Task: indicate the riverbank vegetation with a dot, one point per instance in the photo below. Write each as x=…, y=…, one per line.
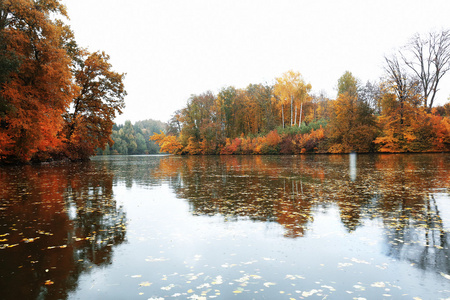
x=396, y=114
x=133, y=138
x=57, y=100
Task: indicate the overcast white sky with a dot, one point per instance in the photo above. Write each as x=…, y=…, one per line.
x=173, y=49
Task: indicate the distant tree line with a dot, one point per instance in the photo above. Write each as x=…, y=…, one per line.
x=395, y=114
x=133, y=139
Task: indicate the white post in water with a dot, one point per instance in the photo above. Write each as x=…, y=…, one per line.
x=352, y=166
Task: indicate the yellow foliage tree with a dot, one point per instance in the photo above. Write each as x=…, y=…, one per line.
x=167, y=143
x=291, y=88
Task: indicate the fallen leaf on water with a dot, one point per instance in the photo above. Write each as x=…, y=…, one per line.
x=359, y=261
x=378, y=284
x=217, y=280
x=267, y=284
x=329, y=287
x=145, y=283
x=292, y=277
x=340, y=265
x=310, y=293
x=49, y=282
x=169, y=287
x=152, y=259
x=204, y=285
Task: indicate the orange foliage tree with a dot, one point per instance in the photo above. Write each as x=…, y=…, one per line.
x=352, y=126
x=38, y=90
x=168, y=143
x=406, y=125
x=55, y=100
x=89, y=121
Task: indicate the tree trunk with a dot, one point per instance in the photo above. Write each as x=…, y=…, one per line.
x=300, y=118
x=292, y=102
x=295, y=116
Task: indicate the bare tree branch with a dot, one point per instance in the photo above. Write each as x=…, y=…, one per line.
x=429, y=60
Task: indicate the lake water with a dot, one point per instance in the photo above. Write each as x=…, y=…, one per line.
x=227, y=227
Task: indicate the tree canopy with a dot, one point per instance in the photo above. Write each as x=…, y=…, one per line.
x=285, y=118
x=56, y=99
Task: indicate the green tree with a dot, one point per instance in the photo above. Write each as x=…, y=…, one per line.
x=141, y=146
x=347, y=83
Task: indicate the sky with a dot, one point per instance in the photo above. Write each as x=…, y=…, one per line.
x=172, y=49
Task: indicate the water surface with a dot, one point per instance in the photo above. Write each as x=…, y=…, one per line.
x=244, y=227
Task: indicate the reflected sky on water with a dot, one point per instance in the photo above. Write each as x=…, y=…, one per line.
x=201, y=227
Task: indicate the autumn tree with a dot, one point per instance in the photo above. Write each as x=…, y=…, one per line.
x=405, y=87
x=321, y=108
x=89, y=120
x=347, y=83
x=36, y=82
x=56, y=100
x=168, y=143
x=371, y=94
x=413, y=130
x=174, y=124
x=265, y=111
x=226, y=99
x=352, y=124
x=197, y=114
x=291, y=88
x=401, y=97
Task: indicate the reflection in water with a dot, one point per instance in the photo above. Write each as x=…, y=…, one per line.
x=352, y=166
x=56, y=223
x=399, y=190
x=59, y=222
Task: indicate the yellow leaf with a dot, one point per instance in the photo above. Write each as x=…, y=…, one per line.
x=145, y=283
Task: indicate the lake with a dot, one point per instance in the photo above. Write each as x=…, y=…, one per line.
x=227, y=227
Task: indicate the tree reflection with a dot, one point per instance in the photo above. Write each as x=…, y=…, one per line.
x=399, y=190
x=56, y=223
x=413, y=225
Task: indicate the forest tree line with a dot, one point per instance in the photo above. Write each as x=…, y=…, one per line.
x=57, y=100
x=395, y=114
x=134, y=138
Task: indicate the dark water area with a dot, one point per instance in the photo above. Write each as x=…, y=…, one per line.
x=227, y=227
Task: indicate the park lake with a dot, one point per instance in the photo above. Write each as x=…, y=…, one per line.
x=227, y=227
